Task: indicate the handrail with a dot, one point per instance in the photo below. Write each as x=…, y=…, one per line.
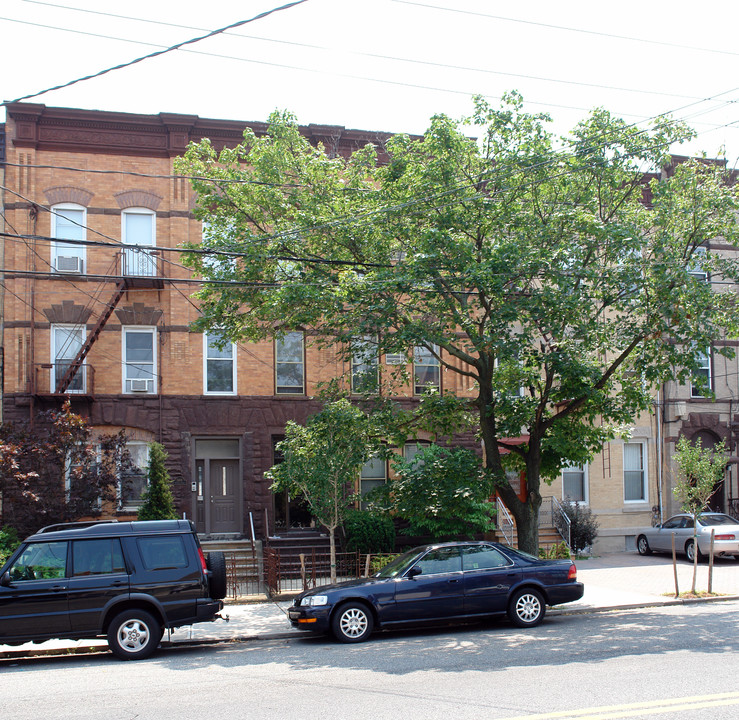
x=504, y=515
x=559, y=511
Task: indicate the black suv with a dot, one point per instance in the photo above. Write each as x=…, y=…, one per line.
x=126, y=581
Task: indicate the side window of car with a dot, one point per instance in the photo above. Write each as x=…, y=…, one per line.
x=672, y=523
x=483, y=557
x=163, y=553
x=688, y=523
x=40, y=561
x=97, y=557
x=443, y=560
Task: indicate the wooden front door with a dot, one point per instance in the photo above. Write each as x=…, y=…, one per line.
x=223, y=481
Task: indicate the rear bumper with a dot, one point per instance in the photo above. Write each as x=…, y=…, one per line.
x=207, y=609
x=561, y=594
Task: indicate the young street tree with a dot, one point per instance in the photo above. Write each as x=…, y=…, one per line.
x=548, y=273
x=322, y=461
x=158, y=502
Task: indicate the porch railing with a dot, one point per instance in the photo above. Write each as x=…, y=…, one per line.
x=505, y=521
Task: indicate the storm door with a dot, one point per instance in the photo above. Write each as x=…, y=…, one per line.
x=218, y=487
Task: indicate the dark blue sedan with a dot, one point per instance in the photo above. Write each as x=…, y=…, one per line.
x=439, y=583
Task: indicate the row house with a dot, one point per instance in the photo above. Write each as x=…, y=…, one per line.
x=95, y=306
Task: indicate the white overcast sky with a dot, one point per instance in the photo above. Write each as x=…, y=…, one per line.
x=385, y=65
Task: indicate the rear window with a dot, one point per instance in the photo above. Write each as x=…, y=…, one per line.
x=163, y=553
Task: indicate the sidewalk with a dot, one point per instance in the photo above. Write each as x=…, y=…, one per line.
x=614, y=581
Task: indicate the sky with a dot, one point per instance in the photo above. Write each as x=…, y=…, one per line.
x=385, y=65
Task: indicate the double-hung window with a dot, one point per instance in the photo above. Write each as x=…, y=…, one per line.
x=575, y=483
x=702, y=388
x=68, y=223
x=635, y=472
x=290, y=364
x=138, y=227
x=426, y=369
x=66, y=342
x=373, y=475
x=219, y=366
x=365, y=368
x=134, y=481
x=139, y=360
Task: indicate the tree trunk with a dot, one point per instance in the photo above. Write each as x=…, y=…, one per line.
x=332, y=541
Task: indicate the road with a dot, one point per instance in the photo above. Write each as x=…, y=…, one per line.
x=677, y=662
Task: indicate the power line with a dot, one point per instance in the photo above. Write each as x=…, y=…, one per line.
x=160, y=52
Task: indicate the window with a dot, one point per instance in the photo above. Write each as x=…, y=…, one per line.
x=373, y=475
x=40, y=561
x=575, y=483
x=426, y=369
x=290, y=364
x=139, y=228
x=483, y=557
x=139, y=361
x=365, y=369
x=97, y=557
x=219, y=366
x=68, y=223
x=218, y=263
x=443, y=560
x=635, y=472
x=66, y=342
x=134, y=481
x=162, y=553
x=411, y=449
x=697, y=264
x=704, y=385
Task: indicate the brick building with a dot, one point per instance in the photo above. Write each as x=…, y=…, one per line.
x=109, y=326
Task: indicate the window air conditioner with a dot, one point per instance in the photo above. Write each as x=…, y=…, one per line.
x=69, y=263
x=139, y=385
x=395, y=359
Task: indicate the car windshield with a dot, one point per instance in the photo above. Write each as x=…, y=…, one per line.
x=717, y=520
x=400, y=564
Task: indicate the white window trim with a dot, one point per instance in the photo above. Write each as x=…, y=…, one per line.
x=435, y=362
x=585, y=480
x=129, y=253
x=367, y=358
x=72, y=250
x=205, y=369
x=645, y=470
x=133, y=507
x=54, y=378
x=302, y=390
x=124, y=365
x=694, y=391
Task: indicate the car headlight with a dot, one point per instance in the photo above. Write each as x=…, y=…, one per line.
x=314, y=600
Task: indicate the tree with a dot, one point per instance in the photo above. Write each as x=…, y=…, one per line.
x=442, y=492
x=322, y=461
x=701, y=470
x=554, y=275
x=582, y=526
x=57, y=471
x=158, y=503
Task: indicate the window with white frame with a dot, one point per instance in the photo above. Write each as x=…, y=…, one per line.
x=697, y=264
x=134, y=481
x=139, y=360
x=635, y=472
x=290, y=364
x=426, y=369
x=219, y=365
x=68, y=222
x=138, y=227
x=66, y=342
x=575, y=483
x=373, y=475
x=703, y=388
x=365, y=368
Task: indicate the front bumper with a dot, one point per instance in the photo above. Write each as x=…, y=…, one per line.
x=315, y=619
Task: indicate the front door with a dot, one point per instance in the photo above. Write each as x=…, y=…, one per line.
x=224, y=494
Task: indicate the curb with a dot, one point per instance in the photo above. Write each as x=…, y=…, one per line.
x=169, y=644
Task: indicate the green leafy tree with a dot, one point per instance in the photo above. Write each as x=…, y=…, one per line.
x=582, y=527
x=322, y=461
x=442, y=492
x=550, y=273
x=701, y=470
x=158, y=502
x=56, y=471
x=369, y=532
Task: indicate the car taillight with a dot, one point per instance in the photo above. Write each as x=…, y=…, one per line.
x=572, y=574
x=202, y=560
x=724, y=537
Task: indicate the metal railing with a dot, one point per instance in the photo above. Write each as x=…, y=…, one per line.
x=561, y=521
x=505, y=521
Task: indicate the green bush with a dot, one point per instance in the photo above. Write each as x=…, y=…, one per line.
x=583, y=526
x=8, y=542
x=559, y=551
x=367, y=532
x=158, y=503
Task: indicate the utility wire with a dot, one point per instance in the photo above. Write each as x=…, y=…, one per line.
x=260, y=16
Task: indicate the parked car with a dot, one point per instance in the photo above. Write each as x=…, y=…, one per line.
x=434, y=583
x=125, y=581
x=659, y=538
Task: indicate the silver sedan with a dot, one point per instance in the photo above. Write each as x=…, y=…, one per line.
x=659, y=538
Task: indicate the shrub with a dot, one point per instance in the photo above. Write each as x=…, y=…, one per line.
x=367, y=532
x=583, y=526
x=559, y=551
x=8, y=542
x=158, y=503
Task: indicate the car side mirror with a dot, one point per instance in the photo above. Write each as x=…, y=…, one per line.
x=5, y=579
x=414, y=571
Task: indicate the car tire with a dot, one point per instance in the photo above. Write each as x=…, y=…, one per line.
x=352, y=623
x=217, y=580
x=642, y=545
x=689, y=552
x=134, y=634
x=526, y=608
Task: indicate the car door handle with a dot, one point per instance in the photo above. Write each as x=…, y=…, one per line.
x=57, y=588
x=454, y=580
x=118, y=583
